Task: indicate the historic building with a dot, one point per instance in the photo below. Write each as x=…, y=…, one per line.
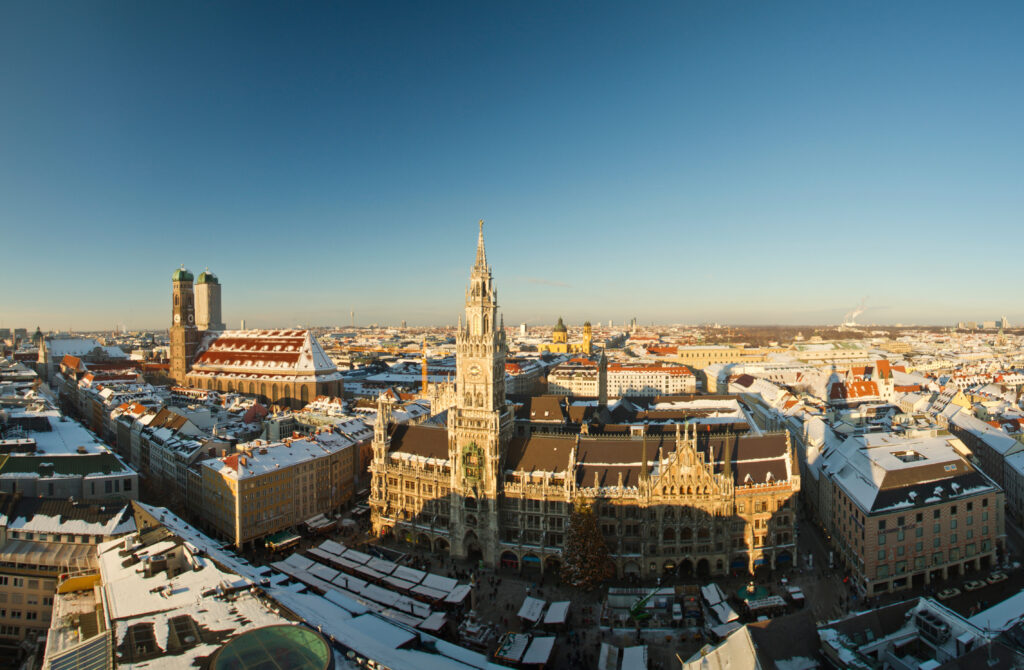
x=672, y=500
x=208, y=302
x=560, y=343
x=184, y=333
x=286, y=367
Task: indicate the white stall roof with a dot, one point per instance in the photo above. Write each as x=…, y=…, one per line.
x=440, y=583
x=725, y=613
x=382, y=566
x=540, y=650
x=345, y=602
x=323, y=572
x=635, y=657
x=332, y=547
x=379, y=629
x=368, y=572
x=299, y=561
x=532, y=609
x=409, y=574
x=428, y=592
x=382, y=596
x=557, y=613
x=434, y=622
x=712, y=594
x=458, y=594
x=343, y=562
x=356, y=556
x=399, y=584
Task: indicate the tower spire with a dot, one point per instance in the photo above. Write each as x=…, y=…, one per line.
x=481, y=253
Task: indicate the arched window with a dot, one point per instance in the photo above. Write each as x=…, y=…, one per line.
x=263, y=390
x=304, y=394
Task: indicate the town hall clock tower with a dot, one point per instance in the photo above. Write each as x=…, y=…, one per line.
x=480, y=424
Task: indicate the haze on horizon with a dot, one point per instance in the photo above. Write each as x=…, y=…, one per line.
x=680, y=163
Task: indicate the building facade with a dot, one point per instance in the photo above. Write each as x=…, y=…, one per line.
x=669, y=501
x=268, y=487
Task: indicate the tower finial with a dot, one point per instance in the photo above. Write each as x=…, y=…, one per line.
x=481, y=254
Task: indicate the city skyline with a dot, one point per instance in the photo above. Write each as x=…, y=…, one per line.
x=681, y=164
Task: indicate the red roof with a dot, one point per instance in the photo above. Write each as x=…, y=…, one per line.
x=853, y=391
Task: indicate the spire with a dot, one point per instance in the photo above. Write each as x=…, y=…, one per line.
x=481, y=253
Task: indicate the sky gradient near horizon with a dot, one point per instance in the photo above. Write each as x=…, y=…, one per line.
x=679, y=162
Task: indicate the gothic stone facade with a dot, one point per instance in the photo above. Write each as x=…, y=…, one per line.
x=674, y=500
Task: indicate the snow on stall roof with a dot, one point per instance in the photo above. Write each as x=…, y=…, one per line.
x=331, y=620
x=635, y=657
x=540, y=649
x=557, y=613
x=531, y=609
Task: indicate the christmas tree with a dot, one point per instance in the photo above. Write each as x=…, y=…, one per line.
x=585, y=560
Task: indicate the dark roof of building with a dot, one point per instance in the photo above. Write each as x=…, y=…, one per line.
x=923, y=489
x=14, y=505
x=426, y=441
x=880, y=622
x=542, y=408
x=62, y=464
x=784, y=638
x=542, y=453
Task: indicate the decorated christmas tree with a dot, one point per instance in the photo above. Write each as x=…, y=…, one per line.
x=585, y=560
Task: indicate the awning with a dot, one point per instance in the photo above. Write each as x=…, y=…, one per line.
x=738, y=563
x=760, y=561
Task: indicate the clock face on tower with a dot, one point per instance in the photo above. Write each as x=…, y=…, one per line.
x=474, y=371
x=177, y=318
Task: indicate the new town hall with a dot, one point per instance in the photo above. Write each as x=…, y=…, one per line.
x=667, y=496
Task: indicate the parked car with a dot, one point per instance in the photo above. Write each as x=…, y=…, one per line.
x=974, y=585
x=946, y=594
x=996, y=577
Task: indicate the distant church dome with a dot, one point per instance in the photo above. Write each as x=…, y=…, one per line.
x=586, y=324
x=560, y=327
x=181, y=274
x=207, y=277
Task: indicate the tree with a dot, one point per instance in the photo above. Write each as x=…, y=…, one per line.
x=585, y=559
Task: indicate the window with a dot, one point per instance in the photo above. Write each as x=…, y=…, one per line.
x=127, y=485
x=936, y=514
x=881, y=524
x=952, y=524
x=881, y=539
x=919, y=532
x=881, y=554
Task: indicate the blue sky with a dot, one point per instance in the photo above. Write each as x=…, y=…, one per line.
x=678, y=162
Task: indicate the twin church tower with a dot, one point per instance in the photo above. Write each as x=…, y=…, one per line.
x=193, y=310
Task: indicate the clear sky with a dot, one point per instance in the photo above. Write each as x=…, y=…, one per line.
x=679, y=162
